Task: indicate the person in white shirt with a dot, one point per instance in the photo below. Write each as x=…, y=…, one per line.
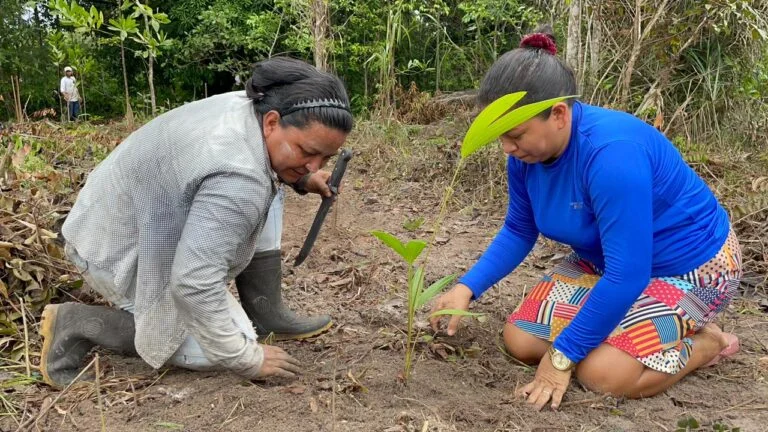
x=187, y=203
x=68, y=89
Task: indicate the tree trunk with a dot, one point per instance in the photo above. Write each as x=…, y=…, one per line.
x=320, y=30
x=61, y=107
x=128, y=109
x=595, y=44
x=437, y=56
x=151, y=74
x=82, y=96
x=574, y=35
x=152, y=84
x=16, y=90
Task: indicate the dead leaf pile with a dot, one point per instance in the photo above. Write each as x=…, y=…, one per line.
x=42, y=167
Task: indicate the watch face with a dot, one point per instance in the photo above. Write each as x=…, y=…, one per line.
x=560, y=361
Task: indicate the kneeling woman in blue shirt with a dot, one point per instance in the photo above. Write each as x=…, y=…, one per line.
x=654, y=259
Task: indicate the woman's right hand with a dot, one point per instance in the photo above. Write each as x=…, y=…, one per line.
x=457, y=298
x=278, y=363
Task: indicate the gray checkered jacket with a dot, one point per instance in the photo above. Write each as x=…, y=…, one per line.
x=173, y=213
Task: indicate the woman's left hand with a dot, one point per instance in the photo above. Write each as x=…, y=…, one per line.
x=318, y=183
x=548, y=384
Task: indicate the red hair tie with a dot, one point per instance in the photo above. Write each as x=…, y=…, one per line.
x=540, y=41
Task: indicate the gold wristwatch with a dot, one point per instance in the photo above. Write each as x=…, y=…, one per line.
x=559, y=360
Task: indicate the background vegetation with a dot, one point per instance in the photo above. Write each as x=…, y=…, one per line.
x=697, y=69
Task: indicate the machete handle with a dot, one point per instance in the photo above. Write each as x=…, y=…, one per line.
x=338, y=171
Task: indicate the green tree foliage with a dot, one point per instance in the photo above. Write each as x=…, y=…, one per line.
x=23, y=55
x=670, y=62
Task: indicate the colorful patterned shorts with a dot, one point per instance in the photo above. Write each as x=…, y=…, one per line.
x=657, y=328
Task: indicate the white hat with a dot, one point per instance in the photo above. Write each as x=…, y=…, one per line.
x=67, y=69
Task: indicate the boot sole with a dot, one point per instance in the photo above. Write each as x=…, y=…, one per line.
x=300, y=336
x=47, y=325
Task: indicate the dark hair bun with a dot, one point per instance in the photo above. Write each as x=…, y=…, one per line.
x=539, y=41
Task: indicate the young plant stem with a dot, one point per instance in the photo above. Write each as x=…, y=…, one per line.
x=411, y=312
x=410, y=343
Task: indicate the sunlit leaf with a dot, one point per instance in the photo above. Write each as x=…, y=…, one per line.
x=491, y=113
x=492, y=122
x=391, y=241
x=414, y=286
x=413, y=250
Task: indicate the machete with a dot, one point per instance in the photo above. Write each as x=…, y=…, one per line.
x=333, y=183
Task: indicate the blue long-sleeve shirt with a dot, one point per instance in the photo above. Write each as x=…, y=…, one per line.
x=623, y=198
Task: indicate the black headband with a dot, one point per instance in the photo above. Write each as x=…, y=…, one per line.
x=323, y=103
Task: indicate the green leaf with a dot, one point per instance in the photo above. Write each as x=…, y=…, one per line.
x=688, y=423
x=492, y=122
x=434, y=289
x=162, y=18
x=409, y=252
x=413, y=250
x=490, y=114
x=391, y=241
x=413, y=224
x=415, y=285
x=456, y=312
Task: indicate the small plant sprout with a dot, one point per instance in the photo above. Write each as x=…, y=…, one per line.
x=418, y=295
x=494, y=120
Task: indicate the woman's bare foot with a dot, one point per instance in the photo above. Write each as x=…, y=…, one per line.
x=728, y=342
x=715, y=332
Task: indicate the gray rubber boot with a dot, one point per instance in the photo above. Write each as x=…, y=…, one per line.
x=71, y=330
x=259, y=287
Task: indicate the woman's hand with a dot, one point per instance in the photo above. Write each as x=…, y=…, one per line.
x=548, y=384
x=278, y=363
x=318, y=183
x=457, y=298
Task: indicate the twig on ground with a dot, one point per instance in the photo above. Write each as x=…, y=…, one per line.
x=26, y=336
x=737, y=405
x=333, y=392
x=583, y=401
x=98, y=393
x=232, y=411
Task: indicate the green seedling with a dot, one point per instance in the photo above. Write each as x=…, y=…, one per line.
x=418, y=294
x=413, y=224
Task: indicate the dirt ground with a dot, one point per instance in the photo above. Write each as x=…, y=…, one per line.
x=461, y=383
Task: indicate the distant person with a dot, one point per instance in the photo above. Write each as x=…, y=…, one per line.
x=654, y=259
x=187, y=203
x=68, y=90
